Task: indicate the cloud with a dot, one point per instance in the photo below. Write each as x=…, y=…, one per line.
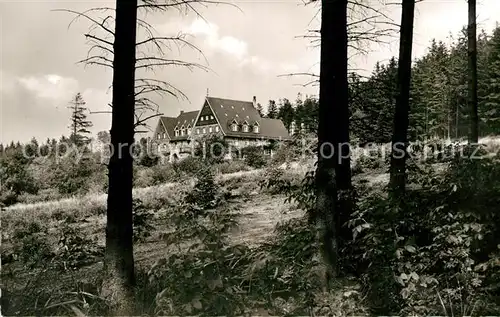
x=227, y=44
x=50, y=86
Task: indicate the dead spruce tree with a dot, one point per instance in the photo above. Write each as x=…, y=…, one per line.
x=332, y=101
x=472, y=73
x=118, y=39
x=399, y=147
x=347, y=29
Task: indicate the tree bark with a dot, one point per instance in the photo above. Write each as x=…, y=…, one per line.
x=119, y=280
x=332, y=103
x=399, y=153
x=472, y=74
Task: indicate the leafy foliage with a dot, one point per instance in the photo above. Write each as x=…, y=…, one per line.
x=142, y=218
x=254, y=156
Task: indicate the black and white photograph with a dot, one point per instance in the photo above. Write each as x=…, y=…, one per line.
x=250, y=158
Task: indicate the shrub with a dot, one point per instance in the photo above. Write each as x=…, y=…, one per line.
x=211, y=149
x=71, y=176
x=210, y=269
x=438, y=243
x=163, y=173
x=188, y=166
x=76, y=251
x=142, y=218
x=232, y=166
x=205, y=191
x=143, y=177
x=254, y=156
x=15, y=178
x=30, y=243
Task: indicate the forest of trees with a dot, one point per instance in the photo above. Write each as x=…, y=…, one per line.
x=438, y=93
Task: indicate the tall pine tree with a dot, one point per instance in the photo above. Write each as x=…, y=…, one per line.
x=79, y=124
x=272, y=110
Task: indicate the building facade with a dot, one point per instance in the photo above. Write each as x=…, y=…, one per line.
x=238, y=122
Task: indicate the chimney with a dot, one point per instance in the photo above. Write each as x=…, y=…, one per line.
x=182, y=111
x=254, y=100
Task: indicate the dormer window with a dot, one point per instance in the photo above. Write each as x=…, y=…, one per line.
x=188, y=130
x=246, y=128
x=256, y=128
x=176, y=132
x=234, y=127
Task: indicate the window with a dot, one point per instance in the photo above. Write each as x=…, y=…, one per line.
x=158, y=136
x=245, y=128
x=210, y=130
x=256, y=129
x=211, y=117
x=197, y=130
x=234, y=127
x=176, y=132
x=189, y=132
x=202, y=118
x=217, y=129
x=164, y=135
x=204, y=130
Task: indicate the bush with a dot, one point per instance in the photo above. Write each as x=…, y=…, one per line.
x=163, y=173
x=254, y=156
x=30, y=243
x=438, y=243
x=76, y=251
x=232, y=166
x=188, y=166
x=142, y=218
x=211, y=149
x=71, y=176
x=205, y=192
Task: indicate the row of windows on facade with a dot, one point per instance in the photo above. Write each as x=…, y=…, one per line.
x=234, y=127
x=186, y=144
x=245, y=128
x=206, y=118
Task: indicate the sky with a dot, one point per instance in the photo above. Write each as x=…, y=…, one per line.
x=247, y=49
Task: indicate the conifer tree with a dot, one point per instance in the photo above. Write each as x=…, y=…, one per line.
x=79, y=124
x=272, y=110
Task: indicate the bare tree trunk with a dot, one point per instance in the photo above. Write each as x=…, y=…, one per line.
x=332, y=99
x=472, y=74
x=119, y=259
x=401, y=120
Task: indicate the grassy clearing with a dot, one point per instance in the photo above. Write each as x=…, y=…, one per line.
x=257, y=213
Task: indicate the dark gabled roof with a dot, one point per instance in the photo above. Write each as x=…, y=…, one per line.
x=274, y=129
x=228, y=110
x=185, y=118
